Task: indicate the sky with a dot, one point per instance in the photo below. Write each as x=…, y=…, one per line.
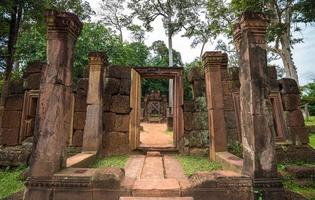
x=303, y=53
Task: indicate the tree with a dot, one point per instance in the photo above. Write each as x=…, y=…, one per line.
x=306, y=9
x=201, y=27
x=113, y=15
x=159, y=55
x=173, y=15
x=137, y=33
x=19, y=16
x=283, y=16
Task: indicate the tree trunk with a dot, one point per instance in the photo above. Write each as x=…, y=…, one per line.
x=170, y=63
x=15, y=20
x=121, y=35
x=202, y=48
x=287, y=59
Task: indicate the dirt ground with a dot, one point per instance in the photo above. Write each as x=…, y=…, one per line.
x=154, y=135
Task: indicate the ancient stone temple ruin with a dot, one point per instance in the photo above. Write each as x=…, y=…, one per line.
x=58, y=129
x=155, y=107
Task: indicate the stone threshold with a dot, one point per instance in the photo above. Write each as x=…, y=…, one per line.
x=81, y=159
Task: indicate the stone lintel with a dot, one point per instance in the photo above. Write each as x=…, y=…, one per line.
x=213, y=59
x=97, y=58
x=254, y=22
x=63, y=22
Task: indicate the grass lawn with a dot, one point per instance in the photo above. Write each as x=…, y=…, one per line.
x=290, y=182
x=312, y=140
x=170, y=133
x=310, y=121
x=111, y=161
x=193, y=164
x=10, y=182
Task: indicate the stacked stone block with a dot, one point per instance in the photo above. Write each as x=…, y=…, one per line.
x=294, y=120
x=230, y=85
x=116, y=107
x=79, y=114
x=196, y=136
x=11, y=120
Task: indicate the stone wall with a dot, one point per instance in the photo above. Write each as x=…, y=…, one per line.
x=116, y=107
x=79, y=114
x=196, y=137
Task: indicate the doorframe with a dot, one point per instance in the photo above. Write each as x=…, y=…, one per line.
x=175, y=73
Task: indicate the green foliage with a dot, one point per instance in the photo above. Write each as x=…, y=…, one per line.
x=10, y=181
x=236, y=148
x=310, y=121
x=291, y=183
x=193, y=164
x=111, y=161
x=312, y=140
x=306, y=10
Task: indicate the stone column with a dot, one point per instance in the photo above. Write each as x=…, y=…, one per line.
x=213, y=61
x=93, y=123
x=54, y=114
x=256, y=115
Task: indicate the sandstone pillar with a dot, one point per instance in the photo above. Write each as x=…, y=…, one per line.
x=54, y=114
x=93, y=123
x=213, y=62
x=256, y=115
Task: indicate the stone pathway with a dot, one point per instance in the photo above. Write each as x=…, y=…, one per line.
x=155, y=176
x=153, y=135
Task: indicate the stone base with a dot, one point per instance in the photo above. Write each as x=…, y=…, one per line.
x=170, y=123
x=295, y=153
x=268, y=188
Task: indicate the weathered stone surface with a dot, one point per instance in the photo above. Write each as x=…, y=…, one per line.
x=200, y=121
x=9, y=137
x=109, y=178
x=188, y=121
x=107, y=101
x=288, y=86
x=119, y=72
x=79, y=120
x=228, y=103
x=77, y=138
x=80, y=103
x=108, y=121
x=82, y=86
x=116, y=143
x=55, y=94
x=300, y=134
x=294, y=118
x=125, y=85
x=189, y=106
x=290, y=102
x=200, y=104
x=198, y=138
x=32, y=81
x=120, y=104
x=15, y=156
x=11, y=119
x=121, y=123
x=295, y=153
x=198, y=151
x=93, y=128
x=256, y=116
x=14, y=102
x=214, y=62
x=301, y=171
x=112, y=86
x=230, y=120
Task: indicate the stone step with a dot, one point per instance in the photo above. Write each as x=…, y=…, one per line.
x=156, y=198
x=156, y=188
x=153, y=154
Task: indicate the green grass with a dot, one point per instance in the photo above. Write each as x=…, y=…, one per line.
x=170, y=133
x=193, y=164
x=290, y=183
x=10, y=181
x=111, y=161
x=310, y=121
x=312, y=140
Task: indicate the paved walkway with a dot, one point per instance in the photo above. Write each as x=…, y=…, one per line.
x=153, y=135
x=154, y=175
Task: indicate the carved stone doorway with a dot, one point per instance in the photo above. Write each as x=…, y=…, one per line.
x=175, y=73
